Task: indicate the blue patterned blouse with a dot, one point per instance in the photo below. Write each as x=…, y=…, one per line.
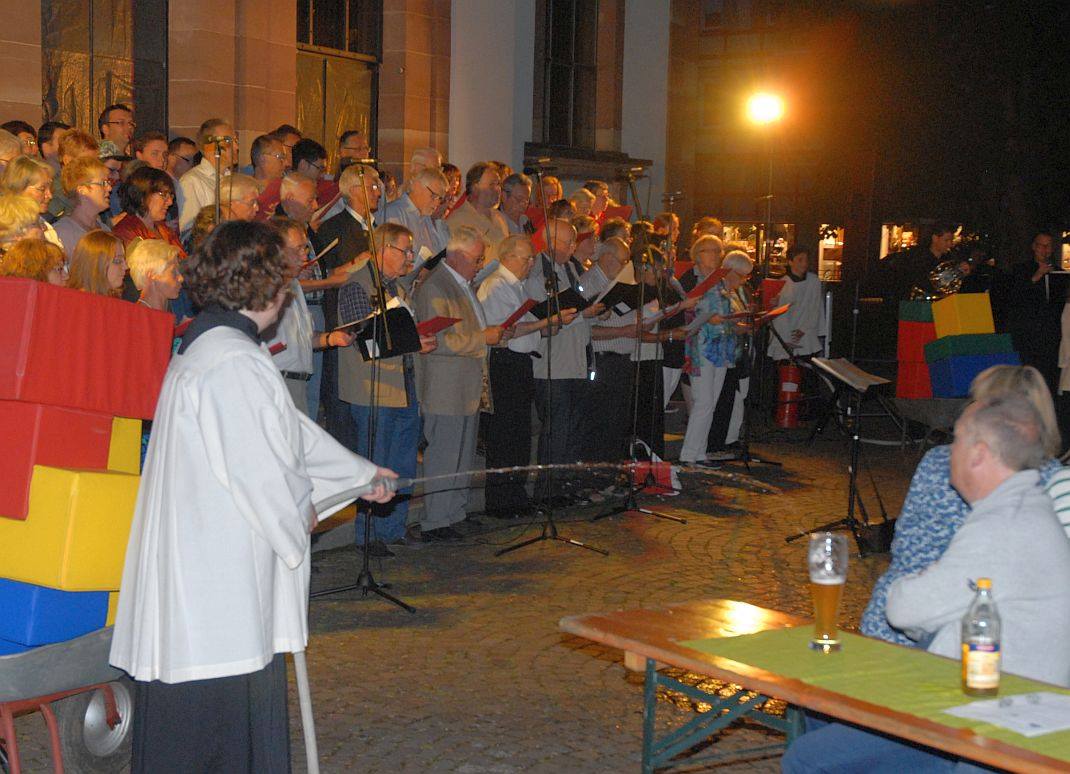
x=717, y=344
x=931, y=515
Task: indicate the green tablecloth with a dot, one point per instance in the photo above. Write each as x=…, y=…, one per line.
x=901, y=679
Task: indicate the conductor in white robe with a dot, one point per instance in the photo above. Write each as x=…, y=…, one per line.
x=215, y=585
x=804, y=323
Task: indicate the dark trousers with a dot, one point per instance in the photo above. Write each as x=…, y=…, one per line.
x=722, y=415
x=608, y=411
x=337, y=417
x=650, y=408
x=229, y=725
x=507, y=432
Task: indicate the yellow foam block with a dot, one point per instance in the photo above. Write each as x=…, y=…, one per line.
x=963, y=313
x=74, y=536
x=124, y=453
x=113, y=605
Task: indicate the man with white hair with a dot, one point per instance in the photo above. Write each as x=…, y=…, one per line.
x=516, y=195
x=1012, y=537
x=198, y=185
x=450, y=386
x=424, y=192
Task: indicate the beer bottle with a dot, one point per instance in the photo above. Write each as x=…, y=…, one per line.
x=980, y=643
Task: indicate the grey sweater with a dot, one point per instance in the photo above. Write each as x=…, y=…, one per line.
x=1013, y=537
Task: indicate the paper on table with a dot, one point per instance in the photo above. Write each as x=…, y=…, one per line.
x=1028, y=714
x=847, y=372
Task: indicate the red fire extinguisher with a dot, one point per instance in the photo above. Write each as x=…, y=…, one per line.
x=787, y=407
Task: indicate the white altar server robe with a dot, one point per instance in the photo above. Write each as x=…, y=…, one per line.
x=806, y=314
x=216, y=578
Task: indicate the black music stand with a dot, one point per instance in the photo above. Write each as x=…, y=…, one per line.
x=869, y=537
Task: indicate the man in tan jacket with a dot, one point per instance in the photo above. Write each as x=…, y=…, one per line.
x=451, y=380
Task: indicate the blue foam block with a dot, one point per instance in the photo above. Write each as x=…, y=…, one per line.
x=951, y=376
x=11, y=648
x=36, y=615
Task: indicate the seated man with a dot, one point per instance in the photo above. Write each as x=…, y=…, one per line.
x=1011, y=536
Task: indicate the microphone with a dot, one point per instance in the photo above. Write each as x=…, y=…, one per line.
x=672, y=196
x=368, y=162
x=219, y=139
x=538, y=169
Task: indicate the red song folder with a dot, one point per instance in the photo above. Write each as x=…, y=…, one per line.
x=435, y=325
x=701, y=288
x=526, y=307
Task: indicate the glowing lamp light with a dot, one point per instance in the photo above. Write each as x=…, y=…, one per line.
x=765, y=108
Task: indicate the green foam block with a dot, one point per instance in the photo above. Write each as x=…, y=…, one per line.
x=968, y=344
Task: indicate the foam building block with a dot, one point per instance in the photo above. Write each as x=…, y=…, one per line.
x=75, y=535
x=916, y=311
x=32, y=434
x=124, y=453
x=963, y=313
x=912, y=381
x=913, y=336
x=11, y=648
x=968, y=344
x=114, y=353
x=951, y=377
x=35, y=615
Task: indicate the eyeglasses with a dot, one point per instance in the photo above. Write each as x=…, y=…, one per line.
x=316, y=164
x=124, y=122
x=101, y=183
x=408, y=252
x=436, y=196
x=187, y=159
x=41, y=188
x=278, y=156
x=29, y=142
x=165, y=195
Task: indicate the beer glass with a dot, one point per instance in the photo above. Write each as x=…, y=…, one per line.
x=827, y=560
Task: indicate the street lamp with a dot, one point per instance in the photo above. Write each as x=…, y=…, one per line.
x=765, y=109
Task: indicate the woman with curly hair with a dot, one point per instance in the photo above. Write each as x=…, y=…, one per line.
x=98, y=264
x=36, y=259
x=219, y=547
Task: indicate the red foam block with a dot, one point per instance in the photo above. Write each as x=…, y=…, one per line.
x=913, y=380
x=913, y=336
x=63, y=347
x=32, y=434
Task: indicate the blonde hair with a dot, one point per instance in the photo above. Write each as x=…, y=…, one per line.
x=1002, y=380
x=89, y=263
x=147, y=257
x=10, y=143
x=22, y=172
x=31, y=258
x=17, y=215
x=703, y=240
x=80, y=172
x=74, y=143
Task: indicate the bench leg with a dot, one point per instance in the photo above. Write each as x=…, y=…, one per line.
x=796, y=724
x=11, y=746
x=53, y=733
x=650, y=706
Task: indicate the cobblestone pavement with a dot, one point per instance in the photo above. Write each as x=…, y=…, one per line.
x=480, y=679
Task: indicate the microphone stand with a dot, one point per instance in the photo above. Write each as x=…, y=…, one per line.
x=549, y=526
x=630, y=504
x=365, y=581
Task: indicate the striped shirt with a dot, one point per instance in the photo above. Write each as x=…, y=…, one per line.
x=1058, y=489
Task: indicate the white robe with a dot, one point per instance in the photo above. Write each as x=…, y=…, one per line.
x=216, y=577
x=807, y=314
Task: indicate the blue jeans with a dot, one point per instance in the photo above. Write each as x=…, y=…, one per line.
x=397, y=434
x=839, y=748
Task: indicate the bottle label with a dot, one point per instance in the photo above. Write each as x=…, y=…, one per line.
x=980, y=665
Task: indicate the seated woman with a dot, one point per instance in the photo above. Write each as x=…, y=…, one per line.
x=154, y=269
x=712, y=349
x=32, y=177
x=933, y=511
x=35, y=259
x=19, y=219
x=88, y=184
x=145, y=197
x=98, y=264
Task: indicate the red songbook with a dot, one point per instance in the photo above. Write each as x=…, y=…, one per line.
x=701, y=288
x=435, y=325
x=681, y=267
x=276, y=348
x=526, y=307
x=770, y=289
x=182, y=327
x=619, y=211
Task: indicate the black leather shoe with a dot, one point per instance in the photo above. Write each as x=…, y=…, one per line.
x=442, y=535
x=378, y=549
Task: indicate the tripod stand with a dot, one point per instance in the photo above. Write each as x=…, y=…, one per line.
x=753, y=391
x=365, y=581
x=861, y=530
x=549, y=526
